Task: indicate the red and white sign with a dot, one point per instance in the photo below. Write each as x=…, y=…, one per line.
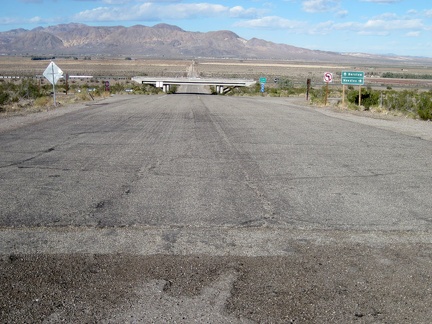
x=328, y=77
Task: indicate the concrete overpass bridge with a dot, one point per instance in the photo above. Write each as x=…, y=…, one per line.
x=220, y=84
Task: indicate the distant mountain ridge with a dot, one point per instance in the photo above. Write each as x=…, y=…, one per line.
x=161, y=41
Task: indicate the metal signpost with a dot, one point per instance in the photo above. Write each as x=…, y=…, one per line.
x=263, y=82
x=328, y=77
x=53, y=73
x=352, y=78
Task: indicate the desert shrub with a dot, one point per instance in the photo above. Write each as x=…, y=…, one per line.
x=317, y=96
x=173, y=88
x=83, y=95
x=4, y=97
x=118, y=87
x=284, y=88
x=401, y=100
x=369, y=97
x=424, y=106
x=406, y=76
x=213, y=90
x=43, y=101
x=29, y=89
x=244, y=91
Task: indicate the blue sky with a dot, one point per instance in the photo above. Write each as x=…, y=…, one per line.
x=402, y=27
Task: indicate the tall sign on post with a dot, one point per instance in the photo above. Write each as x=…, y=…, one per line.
x=263, y=81
x=328, y=77
x=53, y=73
x=352, y=78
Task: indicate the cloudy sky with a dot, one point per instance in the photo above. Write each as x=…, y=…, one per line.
x=402, y=27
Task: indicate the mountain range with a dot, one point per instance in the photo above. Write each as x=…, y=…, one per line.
x=165, y=41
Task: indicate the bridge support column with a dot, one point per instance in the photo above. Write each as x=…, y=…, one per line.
x=219, y=89
x=166, y=88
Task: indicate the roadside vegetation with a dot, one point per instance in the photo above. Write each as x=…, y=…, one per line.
x=280, y=87
x=29, y=95
x=21, y=96
x=411, y=103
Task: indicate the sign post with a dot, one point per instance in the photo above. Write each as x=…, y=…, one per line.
x=263, y=81
x=352, y=78
x=53, y=73
x=308, y=84
x=328, y=77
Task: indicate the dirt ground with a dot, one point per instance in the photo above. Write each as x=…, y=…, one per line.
x=316, y=284
x=297, y=72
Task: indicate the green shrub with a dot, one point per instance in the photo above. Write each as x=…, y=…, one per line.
x=4, y=98
x=369, y=97
x=424, y=106
x=29, y=89
x=242, y=91
x=401, y=100
x=317, y=96
x=43, y=101
x=173, y=89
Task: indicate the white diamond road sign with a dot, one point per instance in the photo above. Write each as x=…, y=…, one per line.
x=53, y=73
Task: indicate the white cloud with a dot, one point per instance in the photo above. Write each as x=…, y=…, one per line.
x=272, y=22
x=36, y=20
x=26, y=21
x=191, y=10
x=382, y=25
x=240, y=12
x=382, y=1
x=413, y=34
x=116, y=2
x=342, y=13
x=315, y=6
x=31, y=1
x=373, y=33
x=8, y=21
x=396, y=24
x=154, y=11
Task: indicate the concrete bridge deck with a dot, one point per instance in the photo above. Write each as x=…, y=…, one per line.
x=219, y=83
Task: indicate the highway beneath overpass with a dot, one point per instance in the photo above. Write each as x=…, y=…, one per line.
x=221, y=85
x=198, y=208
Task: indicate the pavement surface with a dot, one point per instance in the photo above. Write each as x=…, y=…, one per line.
x=214, y=209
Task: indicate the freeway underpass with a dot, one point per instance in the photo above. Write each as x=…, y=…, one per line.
x=220, y=84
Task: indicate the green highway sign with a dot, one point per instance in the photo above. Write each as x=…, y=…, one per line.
x=352, y=77
x=263, y=80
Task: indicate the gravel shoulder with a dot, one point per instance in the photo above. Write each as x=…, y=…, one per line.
x=398, y=124
x=11, y=122
x=402, y=125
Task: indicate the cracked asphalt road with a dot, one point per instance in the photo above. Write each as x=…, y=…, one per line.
x=183, y=208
